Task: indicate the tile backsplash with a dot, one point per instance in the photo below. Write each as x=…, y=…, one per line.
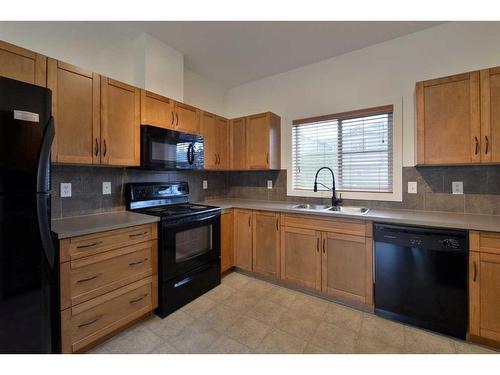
x=481, y=186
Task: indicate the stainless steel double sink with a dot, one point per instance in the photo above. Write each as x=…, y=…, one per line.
x=351, y=210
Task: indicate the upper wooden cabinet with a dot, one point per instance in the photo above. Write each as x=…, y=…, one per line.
x=215, y=132
x=490, y=115
x=266, y=243
x=448, y=120
x=120, y=123
x=157, y=110
x=23, y=65
x=238, y=144
x=76, y=111
x=187, y=118
x=222, y=143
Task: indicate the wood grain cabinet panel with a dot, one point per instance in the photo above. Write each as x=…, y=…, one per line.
x=263, y=141
x=227, y=241
x=238, y=145
x=208, y=129
x=301, y=257
x=448, y=120
x=120, y=123
x=243, y=239
x=157, y=110
x=76, y=110
x=266, y=243
x=22, y=64
x=187, y=118
x=222, y=142
x=490, y=115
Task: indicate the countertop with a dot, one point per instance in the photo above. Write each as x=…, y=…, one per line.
x=87, y=224
x=422, y=218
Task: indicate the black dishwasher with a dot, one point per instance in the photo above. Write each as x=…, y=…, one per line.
x=421, y=277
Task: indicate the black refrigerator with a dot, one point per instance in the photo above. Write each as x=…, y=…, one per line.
x=28, y=266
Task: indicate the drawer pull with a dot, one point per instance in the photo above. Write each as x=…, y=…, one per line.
x=96, y=319
x=138, y=262
x=137, y=234
x=139, y=298
x=89, y=278
x=89, y=245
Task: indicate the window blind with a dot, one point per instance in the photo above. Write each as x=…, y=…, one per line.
x=357, y=146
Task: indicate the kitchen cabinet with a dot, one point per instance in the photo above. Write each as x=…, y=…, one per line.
x=222, y=144
x=243, y=239
x=157, y=110
x=301, y=257
x=346, y=267
x=266, y=243
x=238, y=143
x=448, y=120
x=76, y=110
x=263, y=141
x=215, y=132
x=120, y=123
x=227, y=241
x=490, y=115
x=187, y=118
x=22, y=64
x=484, y=287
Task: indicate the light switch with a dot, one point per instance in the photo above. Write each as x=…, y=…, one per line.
x=412, y=187
x=65, y=190
x=457, y=187
x=106, y=188
x=269, y=184
x=205, y=184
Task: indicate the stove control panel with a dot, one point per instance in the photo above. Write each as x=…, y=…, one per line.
x=142, y=192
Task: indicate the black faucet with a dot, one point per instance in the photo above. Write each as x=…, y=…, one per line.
x=335, y=201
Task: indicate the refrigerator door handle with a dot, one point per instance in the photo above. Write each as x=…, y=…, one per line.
x=43, y=172
x=42, y=207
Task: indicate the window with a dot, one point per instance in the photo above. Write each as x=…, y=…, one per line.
x=356, y=145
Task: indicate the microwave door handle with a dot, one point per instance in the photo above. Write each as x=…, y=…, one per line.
x=190, y=154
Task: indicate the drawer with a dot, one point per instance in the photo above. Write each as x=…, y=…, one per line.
x=89, y=321
x=335, y=225
x=83, y=246
x=89, y=277
x=484, y=242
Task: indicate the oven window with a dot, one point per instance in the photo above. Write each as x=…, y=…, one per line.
x=193, y=242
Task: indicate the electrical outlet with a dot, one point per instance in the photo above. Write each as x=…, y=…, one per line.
x=205, y=184
x=106, y=188
x=65, y=190
x=457, y=187
x=269, y=184
x=412, y=187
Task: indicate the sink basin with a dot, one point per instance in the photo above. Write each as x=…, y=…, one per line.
x=349, y=209
x=307, y=206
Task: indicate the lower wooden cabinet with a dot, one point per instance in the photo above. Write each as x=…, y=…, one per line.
x=227, y=241
x=243, y=239
x=301, y=257
x=266, y=243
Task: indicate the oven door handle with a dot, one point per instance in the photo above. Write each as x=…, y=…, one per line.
x=191, y=221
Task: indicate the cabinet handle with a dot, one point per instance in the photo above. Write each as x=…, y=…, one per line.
x=324, y=245
x=172, y=112
x=249, y=218
x=137, y=234
x=475, y=271
x=215, y=157
x=89, y=245
x=97, y=318
x=96, y=147
x=487, y=144
x=176, y=119
x=317, y=245
x=218, y=159
x=267, y=157
x=104, y=151
x=138, y=262
x=277, y=226
x=477, y=146
x=89, y=278
x=132, y=301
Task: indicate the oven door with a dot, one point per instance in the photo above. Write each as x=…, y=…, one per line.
x=188, y=243
x=169, y=149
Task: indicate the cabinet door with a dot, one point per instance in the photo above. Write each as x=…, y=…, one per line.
x=238, y=143
x=301, y=257
x=257, y=130
x=76, y=110
x=484, y=294
x=266, y=243
x=448, y=120
x=222, y=138
x=210, y=142
x=157, y=110
x=243, y=239
x=120, y=123
x=187, y=118
x=23, y=65
x=227, y=234
x=490, y=115
x=347, y=267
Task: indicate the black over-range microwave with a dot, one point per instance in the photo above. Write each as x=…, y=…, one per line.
x=170, y=149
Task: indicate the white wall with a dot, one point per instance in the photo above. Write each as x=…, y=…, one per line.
x=204, y=94
x=381, y=74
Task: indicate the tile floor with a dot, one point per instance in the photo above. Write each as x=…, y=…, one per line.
x=246, y=315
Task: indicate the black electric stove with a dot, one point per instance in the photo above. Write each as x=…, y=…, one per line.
x=188, y=241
